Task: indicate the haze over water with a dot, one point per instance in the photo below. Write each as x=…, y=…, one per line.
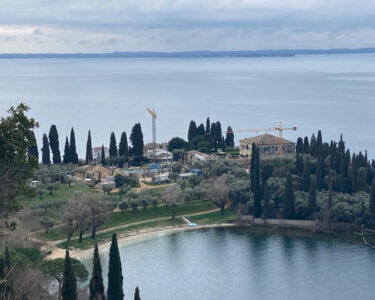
x=334, y=93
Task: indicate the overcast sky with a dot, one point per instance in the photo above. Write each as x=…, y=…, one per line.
x=178, y=25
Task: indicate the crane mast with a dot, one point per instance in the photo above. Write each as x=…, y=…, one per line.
x=153, y=115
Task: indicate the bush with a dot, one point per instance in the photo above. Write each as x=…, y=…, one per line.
x=134, y=205
x=123, y=205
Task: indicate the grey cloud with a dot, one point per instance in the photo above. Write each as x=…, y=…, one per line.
x=37, y=31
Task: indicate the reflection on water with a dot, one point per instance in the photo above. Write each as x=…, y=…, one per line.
x=239, y=263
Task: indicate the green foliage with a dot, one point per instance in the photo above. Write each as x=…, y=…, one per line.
x=45, y=151
x=372, y=197
x=178, y=154
x=312, y=207
x=177, y=143
x=123, y=150
x=136, y=294
x=66, y=157
x=229, y=140
x=47, y=223
x=115, y=278
x=89, y=155
x=192, y=132
x=56, y=267
x=113, y=146
x=96, y=281
x=54, y=144
x=289, y=199
x=72, y=148
x=121, y=180
x=136, y=138
x=69, y=285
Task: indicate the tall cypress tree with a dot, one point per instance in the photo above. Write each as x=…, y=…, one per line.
x=320, y=174
x=102, y=156
x=73, y=150
x=219, y=133
x=136, y=138
x=266, y=202
x=123, y=150
x=312, y=206
x=312, y=149
x=257, y=195
x=319, y=145
x=67, y=157
x=192, y=132
x=89, y=156
x=208, y=126
x=115, y=279
x=229, y=139
x=299, y=145
x=96, y=282
x=213, y=136
x=69, y=285
x=113, y=146
x=306, y=146
x=372, y=197
x=289, y=199
x=46, y=160
x=33, y=150
x=136, y=294
x=306, y=177
x=54, y=144
x=252, y=168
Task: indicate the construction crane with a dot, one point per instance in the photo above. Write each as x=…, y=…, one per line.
x=279, y=128
x=153, y=114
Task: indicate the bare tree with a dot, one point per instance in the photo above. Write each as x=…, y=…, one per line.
x=173, y=197
x=98, y=207
x=217, y=191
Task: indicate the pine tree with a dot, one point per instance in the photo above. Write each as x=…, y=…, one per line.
x=89, y=156
x=136, y=138
x=33, y=150
x=289, y=199
x=66, y=158
x=214, y=136
x=73, y=150
x=136, y=294
x=306, y=177
x=113, y=146
x=54, y=144
x=218, y=133
x=208, y=126
x=102, y=156
x=372, y=197
x=257, y=195
x=312, y=206
x=192, y=133
x=115, y=279
x=229, y=139
x=123, y=150
x=46, y=160
x=69, y=285
x=96, y=282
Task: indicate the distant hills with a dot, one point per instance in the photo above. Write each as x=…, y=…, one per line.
x=190, y=54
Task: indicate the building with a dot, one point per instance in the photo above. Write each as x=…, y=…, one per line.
x=193, y=155
x=160, y=154
x=97, y=152
x=267, y=144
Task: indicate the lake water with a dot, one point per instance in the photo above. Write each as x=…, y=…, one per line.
x=334, y=93
x=236, y=263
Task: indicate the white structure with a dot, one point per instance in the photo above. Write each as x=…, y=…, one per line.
x=162, y=178
x=159, y=154
x=186, y=176
x=34, y=183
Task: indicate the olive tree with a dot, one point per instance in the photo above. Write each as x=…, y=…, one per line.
x=173, y=197
x=218, y=192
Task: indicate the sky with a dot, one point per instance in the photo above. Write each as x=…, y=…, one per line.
x=45, y=26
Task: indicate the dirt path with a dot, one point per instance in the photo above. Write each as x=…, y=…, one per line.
x=144, y=186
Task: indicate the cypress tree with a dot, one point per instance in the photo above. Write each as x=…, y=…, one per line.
x=312, y=149
x=96, y=282
x=200, y=129
x=289, y=199
x=66, y=158
x=299, y=145
x=73, y=150
x=33, y=150
x=69, y=285
x=320, y=174
x=372, y=197
x=299, y=165
x=136, y=138
x=7, y=260
x=306, y=145
x=306, y=177
x=112, y=146
x=319, y=145
x=266, y=202
x=208, y=126
x=89, y=156
x=229, y=139
x=257, y=196
x=214, y=136
x=123, y=150
x=136, y=294
x=46, y=160
x=312, y=206
x=192, y=133
x=54, y=144
x=218, y=132
x=252, y=168
x=102, y=156
x=115, y=279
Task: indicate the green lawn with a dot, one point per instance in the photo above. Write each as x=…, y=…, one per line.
x=123, y=218
x=213, y=218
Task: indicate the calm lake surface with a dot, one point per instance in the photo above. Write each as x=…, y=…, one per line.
x=245, y=264
x=334, y=93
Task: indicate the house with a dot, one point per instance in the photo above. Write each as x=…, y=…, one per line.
x=162, y=178
x=197, y=172
x=97, y=152
x=194, y=155
x=185, y=176
x=267, y=144
x=161, y=154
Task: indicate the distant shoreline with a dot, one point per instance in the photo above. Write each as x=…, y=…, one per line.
x=191, y=54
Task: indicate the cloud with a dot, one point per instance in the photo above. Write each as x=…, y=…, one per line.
x=186, y=24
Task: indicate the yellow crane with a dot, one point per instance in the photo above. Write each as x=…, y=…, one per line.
x=153, y=114
x=279, y=128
